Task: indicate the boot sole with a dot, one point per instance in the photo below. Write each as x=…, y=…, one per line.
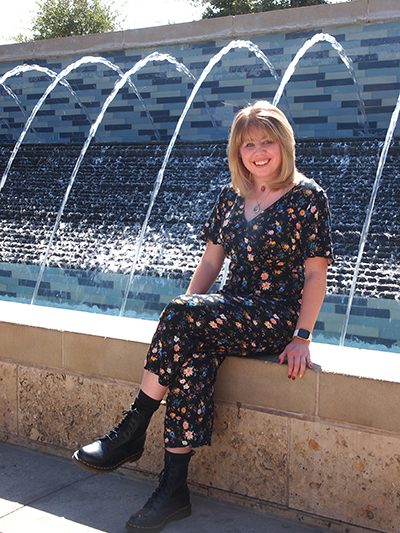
x=104, y=469
x=178, y=515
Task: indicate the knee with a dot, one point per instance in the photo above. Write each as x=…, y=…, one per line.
x=180, y=306
x=180, y=302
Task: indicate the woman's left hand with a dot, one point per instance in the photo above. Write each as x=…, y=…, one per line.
x=297, y=353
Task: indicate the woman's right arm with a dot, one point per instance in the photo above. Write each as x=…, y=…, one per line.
x=207, y=270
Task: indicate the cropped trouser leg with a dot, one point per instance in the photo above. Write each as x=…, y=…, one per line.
x=193, y=338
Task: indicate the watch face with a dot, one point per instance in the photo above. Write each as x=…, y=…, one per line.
x=303, y=334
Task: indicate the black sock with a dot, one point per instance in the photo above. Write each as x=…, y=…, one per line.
x=181, y=458
x=145, y=404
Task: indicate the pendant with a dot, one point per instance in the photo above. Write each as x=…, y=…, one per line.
x=256, y=209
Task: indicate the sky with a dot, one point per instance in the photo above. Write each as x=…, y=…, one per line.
x=16, y=15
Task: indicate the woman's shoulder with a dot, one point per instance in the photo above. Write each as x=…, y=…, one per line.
x=308, y=186
x=229, y=193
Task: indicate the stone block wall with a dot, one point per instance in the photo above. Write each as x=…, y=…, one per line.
x=321, y=97
x=323, y=449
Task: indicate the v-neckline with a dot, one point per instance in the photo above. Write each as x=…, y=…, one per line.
x=268, y=207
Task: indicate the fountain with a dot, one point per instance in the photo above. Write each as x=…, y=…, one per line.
x=137, y=238
x=65, y=373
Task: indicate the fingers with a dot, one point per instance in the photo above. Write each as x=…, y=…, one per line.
x=298, y=359
x=302, y=367
x=296, y=367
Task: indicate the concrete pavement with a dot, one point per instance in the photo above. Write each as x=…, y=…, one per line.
x=47, y=494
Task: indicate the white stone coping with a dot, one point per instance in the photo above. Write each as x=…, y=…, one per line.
x=363, y=363
x=99, y=325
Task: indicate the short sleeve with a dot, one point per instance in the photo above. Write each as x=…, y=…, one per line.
x=212, y=228
x=317, y=229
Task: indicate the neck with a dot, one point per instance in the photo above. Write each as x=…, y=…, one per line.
x=261, y=190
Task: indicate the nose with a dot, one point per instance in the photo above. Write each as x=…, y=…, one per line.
x=260, y=147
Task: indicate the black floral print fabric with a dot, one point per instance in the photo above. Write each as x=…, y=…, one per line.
x=256, y=311
x=268, y=253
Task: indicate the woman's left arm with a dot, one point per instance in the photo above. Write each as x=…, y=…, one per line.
x=297, y=352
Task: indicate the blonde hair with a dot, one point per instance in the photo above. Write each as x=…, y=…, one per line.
x=270, y=119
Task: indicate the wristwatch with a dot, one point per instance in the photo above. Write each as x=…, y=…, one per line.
x=303, y=334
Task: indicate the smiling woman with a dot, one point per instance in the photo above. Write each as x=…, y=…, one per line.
x=279, y=254
x=262, y=157
x=262, y=152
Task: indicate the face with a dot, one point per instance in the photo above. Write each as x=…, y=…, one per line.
x=261, y=156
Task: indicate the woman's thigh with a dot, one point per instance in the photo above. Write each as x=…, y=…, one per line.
x=224, y=323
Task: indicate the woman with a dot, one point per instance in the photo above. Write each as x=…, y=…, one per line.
x=274, y=226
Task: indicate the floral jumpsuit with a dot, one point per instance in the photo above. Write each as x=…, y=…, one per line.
x=256, y=312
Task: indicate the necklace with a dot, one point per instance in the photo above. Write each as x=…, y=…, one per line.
x=257, y=207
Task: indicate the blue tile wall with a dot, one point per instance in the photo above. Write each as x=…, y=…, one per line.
x=321, y=93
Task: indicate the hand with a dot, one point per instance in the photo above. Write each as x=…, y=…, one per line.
x=297, y=353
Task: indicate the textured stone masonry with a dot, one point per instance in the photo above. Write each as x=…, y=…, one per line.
x=297, y=449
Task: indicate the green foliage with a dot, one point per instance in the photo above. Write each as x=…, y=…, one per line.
x=223, y=8
x=64, y=18
x=20, y=38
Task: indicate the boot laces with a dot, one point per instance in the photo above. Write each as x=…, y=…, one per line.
x=165, y=480
x=122, y=425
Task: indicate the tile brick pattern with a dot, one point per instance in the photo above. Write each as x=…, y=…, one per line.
x=320, y=98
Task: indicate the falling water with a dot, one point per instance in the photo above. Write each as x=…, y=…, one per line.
x=155, y=56
x=118, y=85
x=253, y=48
x=60, y=79
x=38, y=105
x=196, y=89
x=213, y=61
x=11, y=93
x=56, y=79
x=347, y=61
x=260, y=54
x=28, y=68
x=343, y=56
x=225, y=272
x=364, y=233
x=8, y=126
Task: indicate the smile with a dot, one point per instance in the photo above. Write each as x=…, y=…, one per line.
x=260, y=163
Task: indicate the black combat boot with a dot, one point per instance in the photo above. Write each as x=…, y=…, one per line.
x=170, y=501
x=124, y=443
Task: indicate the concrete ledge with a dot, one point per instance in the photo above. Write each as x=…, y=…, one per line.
x=241, y=26
x=324, y=449
x=301, y=19
x=382, y=10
